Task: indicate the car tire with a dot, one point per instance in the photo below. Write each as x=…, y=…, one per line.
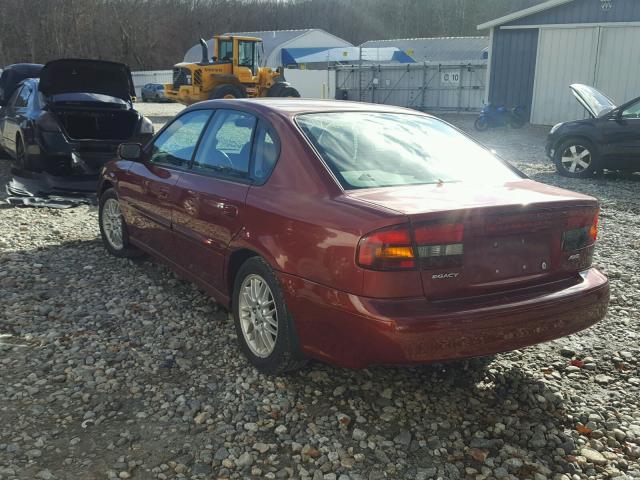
x=481, y=124
x=268, y=341
x=576, y=158
x=226, y=91
x=111, y=222
x=21, y=162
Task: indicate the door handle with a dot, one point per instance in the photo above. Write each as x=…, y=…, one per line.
x=227, y=209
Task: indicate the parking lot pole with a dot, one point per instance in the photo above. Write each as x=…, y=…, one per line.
x=424, y=84
x=360, y=73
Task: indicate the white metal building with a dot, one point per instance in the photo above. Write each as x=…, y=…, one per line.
x=274, y=41
x=438, y=49
x=538, y=52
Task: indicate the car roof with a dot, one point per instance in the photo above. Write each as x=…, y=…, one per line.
x=290, y=107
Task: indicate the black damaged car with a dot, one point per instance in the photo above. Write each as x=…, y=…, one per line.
x=610, y=139
x=68, y=123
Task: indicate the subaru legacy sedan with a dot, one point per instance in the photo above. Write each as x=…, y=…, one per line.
x=355, y=234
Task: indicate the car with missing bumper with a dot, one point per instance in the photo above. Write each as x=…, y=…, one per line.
x=356, y=234
x=608, y=139
x=69, y=122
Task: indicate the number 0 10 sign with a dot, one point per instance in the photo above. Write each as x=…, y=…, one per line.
x=450, y=78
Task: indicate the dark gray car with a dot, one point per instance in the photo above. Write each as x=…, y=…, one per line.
x=153, y=92
x=70, y=121
x=609, y=139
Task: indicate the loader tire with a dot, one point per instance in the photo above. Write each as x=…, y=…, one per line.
x=282, y=89
x=290, y=92
x=226, y=91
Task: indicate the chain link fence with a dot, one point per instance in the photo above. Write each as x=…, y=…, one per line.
x=434, y=87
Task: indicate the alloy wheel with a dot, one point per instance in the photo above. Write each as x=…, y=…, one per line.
x=112, y=223
x=258, y=315
x=576, y=159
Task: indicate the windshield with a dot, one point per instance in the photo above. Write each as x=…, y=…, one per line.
x=596, y=102
x=365, y=149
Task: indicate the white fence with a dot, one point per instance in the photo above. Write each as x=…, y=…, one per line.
x=140, y=79
x=310, y=83
x=423, y=86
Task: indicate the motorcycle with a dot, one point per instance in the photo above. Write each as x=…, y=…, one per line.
x=492, y=116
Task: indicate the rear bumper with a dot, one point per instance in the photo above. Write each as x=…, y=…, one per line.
x=355, y=332
x=56, y=154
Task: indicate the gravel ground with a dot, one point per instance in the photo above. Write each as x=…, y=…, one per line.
x=118, y=369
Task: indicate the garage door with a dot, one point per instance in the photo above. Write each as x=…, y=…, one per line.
x=606, y=57
x=565, y=56
x=618, y=68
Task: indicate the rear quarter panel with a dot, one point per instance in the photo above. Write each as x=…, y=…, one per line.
x=301, y=222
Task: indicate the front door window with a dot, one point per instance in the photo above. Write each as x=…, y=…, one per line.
x=632, y=111
x=175, y=146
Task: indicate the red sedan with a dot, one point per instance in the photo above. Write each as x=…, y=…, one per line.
x=356, y=234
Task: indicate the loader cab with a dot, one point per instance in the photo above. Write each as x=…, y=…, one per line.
x=243, y=52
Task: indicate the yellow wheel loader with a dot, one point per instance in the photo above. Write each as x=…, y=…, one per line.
x=234, y=71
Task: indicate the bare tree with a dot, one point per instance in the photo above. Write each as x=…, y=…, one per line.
x=149, y=34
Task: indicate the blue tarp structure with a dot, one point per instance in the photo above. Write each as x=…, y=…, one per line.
x=298, y=56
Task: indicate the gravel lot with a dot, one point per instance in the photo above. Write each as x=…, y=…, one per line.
x=118, y=369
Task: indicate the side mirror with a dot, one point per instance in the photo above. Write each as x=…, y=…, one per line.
x=130, y=151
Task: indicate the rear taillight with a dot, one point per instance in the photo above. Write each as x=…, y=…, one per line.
x=387, y=249
x=582, y=230
x=440, y=244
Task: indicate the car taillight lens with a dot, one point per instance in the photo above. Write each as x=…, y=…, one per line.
x=440, y=244
x=47, y=122
x=387, y=249
x=582, y=230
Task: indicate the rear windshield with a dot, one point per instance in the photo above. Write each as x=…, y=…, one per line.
x=365, y=150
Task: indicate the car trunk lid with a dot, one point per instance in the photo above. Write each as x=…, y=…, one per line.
x=474, y=241
x=90, y=76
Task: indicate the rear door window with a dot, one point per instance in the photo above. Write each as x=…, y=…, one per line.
x=266, y=151
x=226, y=50
x=225, y=148
x=175, y=145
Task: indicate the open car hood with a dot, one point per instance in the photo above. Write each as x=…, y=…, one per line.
x=87, y=76
x=592, y=99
